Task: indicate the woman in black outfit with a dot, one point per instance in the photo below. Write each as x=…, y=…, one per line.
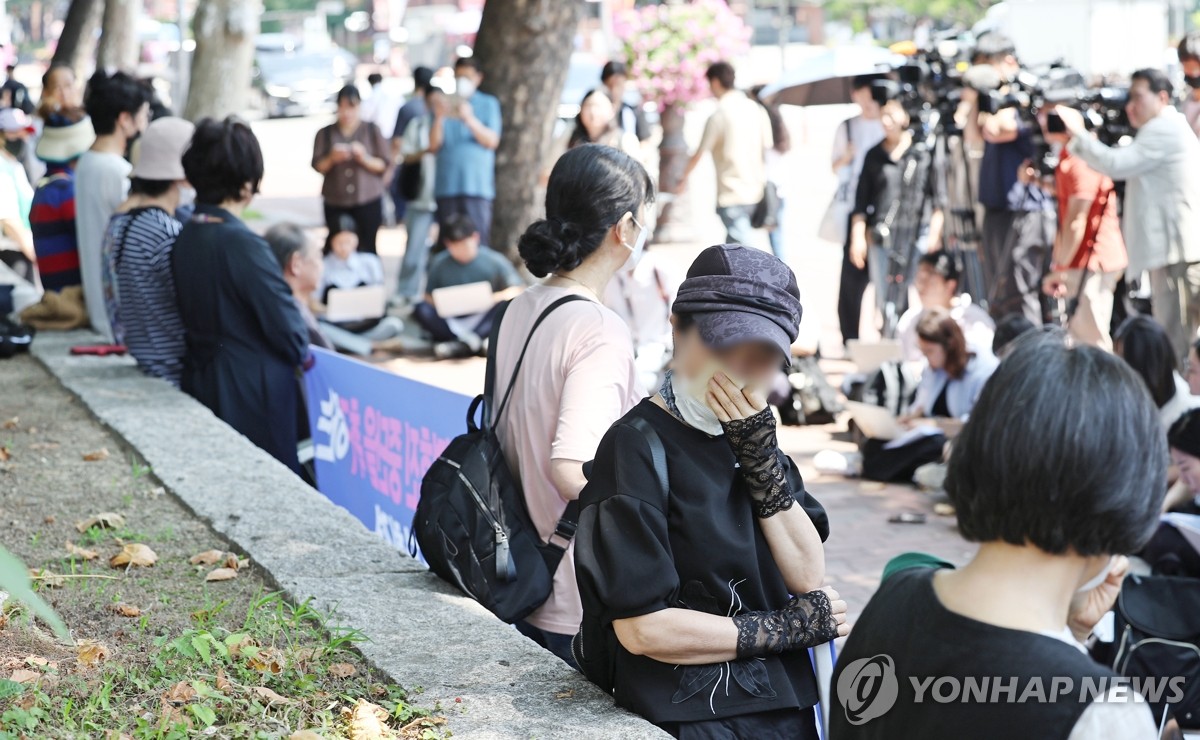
x=703, y=597
x=879, y=190
x=245, y=336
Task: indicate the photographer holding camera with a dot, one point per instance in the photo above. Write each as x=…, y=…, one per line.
x=1189, y=59
x=1018, y=225
x=1162, y=198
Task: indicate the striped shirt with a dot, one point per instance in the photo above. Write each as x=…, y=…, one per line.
x=52, y=220
x=140, y=291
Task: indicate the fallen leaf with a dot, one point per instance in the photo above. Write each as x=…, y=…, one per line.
x=243, y=564
x=231, y=562
x=262, y=692
x=51, y=519
x=91, y=652
x=36, y=660
x=223, y=684
x=12, y=423
x=237, y=643
x=24, y=675
x=126, y=610
x=47, y=578
x=180, y=693
x=568, y=694
x=267, y=660
x=342, y=670
x=5, y=455
x=80, y=552
x=208, y=557
x=104, y=520
x=367, y=721
x=44, y=446
x=134, y=554
x=97, y=456
x=221, y=574
x=304, y=735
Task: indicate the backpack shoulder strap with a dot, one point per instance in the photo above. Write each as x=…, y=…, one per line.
x=495, y=420
x=658, y=454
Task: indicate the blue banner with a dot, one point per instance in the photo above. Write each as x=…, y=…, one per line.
x=375, y=434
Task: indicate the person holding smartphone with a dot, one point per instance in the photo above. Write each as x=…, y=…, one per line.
x=1089, y=251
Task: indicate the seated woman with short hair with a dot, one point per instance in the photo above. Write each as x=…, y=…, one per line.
x=1059, y=472
x=1145, y=345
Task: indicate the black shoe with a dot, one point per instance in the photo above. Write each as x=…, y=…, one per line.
x=451, y=350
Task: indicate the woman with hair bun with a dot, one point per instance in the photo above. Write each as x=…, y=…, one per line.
x=578, y=376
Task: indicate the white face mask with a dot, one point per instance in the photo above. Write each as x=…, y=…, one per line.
x=1099, y=577
x=187, y=196
x=639, y=245
x=464, y=87
x=691, y=398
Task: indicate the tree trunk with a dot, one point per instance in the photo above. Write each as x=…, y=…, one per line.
x=221, y=66
x=75, y=43
x=675, y=219
x=118, y=47
x=524, y=49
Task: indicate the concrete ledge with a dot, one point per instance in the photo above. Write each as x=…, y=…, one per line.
x=422, y=633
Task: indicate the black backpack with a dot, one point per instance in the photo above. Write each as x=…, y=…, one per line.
x=594, y=647
x=1158, y=637
x=471, y=522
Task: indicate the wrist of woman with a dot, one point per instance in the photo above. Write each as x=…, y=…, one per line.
x=807, y=621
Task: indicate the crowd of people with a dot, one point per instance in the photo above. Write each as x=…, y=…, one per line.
x=694, y=582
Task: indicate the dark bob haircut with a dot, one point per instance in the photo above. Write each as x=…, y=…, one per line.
x=1145, y=346
x=591, y=188
x=108, y=96
x=222, y=160
x=1064, y=451
x=1008, y=330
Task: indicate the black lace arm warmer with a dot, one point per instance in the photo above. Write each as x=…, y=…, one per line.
x=807, y=621
x=756, y=447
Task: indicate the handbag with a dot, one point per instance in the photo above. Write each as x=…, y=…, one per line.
x=471, y=522
x=766, y=213
x=835, y=224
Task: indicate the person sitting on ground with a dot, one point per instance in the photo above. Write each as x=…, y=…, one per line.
x=139, y=287
x=67, y=135
x=704, y=595
x=937, y=282
x=1147, y=347
x=464, y=262
x=245, y=337
x=1192, y=371
x=346, y=268
x=1169, y=551
x=949, y=387
x=16, y=193
x=1008, y=330
x=1045, y=487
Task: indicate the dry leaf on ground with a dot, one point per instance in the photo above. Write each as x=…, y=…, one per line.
x=104, y=520
x=342, y=670
x=568, y=694
x=97, y=456
x=266, y=660
x=12, y=423
x=134, y=554
x=304, y=735
x=180, y=693
x=208, y=557
x=221, y=574
x=36, y=660
x=47, y=578
x=236, y=646
x=367, y=721
x=44, y=446
x=91, y=652
x=270, y=697
x=5, y=454
x=231, y=562
x=76, y=551
x=24, y=675
x=126, y=610
x=222, y=682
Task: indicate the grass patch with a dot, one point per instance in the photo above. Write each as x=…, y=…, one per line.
x=282, y=669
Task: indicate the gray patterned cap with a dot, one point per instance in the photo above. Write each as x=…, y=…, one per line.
x=737, y=294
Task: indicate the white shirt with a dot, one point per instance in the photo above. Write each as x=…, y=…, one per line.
x=101, y=184
x=864, y=133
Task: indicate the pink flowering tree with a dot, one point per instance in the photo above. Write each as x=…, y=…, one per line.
x=668, y=48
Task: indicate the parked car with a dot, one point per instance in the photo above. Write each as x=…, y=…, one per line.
x=300, y=83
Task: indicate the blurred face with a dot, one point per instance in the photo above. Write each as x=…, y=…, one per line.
x=616, y=87
x=1143, y=104
x=862, y=96
x=1193, y=372
x=934, y=353
x=347, y=113
x=344, y=244
x=754, y=363
x=935, y=290
x=1189, y=469
x=596, y=113
x=62, y=87
x=435, y=99
x=306, y=269
x=1007, y=66
x=1191, y=69
x=894, y=120
x=464, y=251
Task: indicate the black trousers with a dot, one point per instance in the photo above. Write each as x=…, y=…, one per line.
x=1014, y=253
x=427, y=317
x=850, y=295
x=779, y=724
x=368, y=217
x=899, y=464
